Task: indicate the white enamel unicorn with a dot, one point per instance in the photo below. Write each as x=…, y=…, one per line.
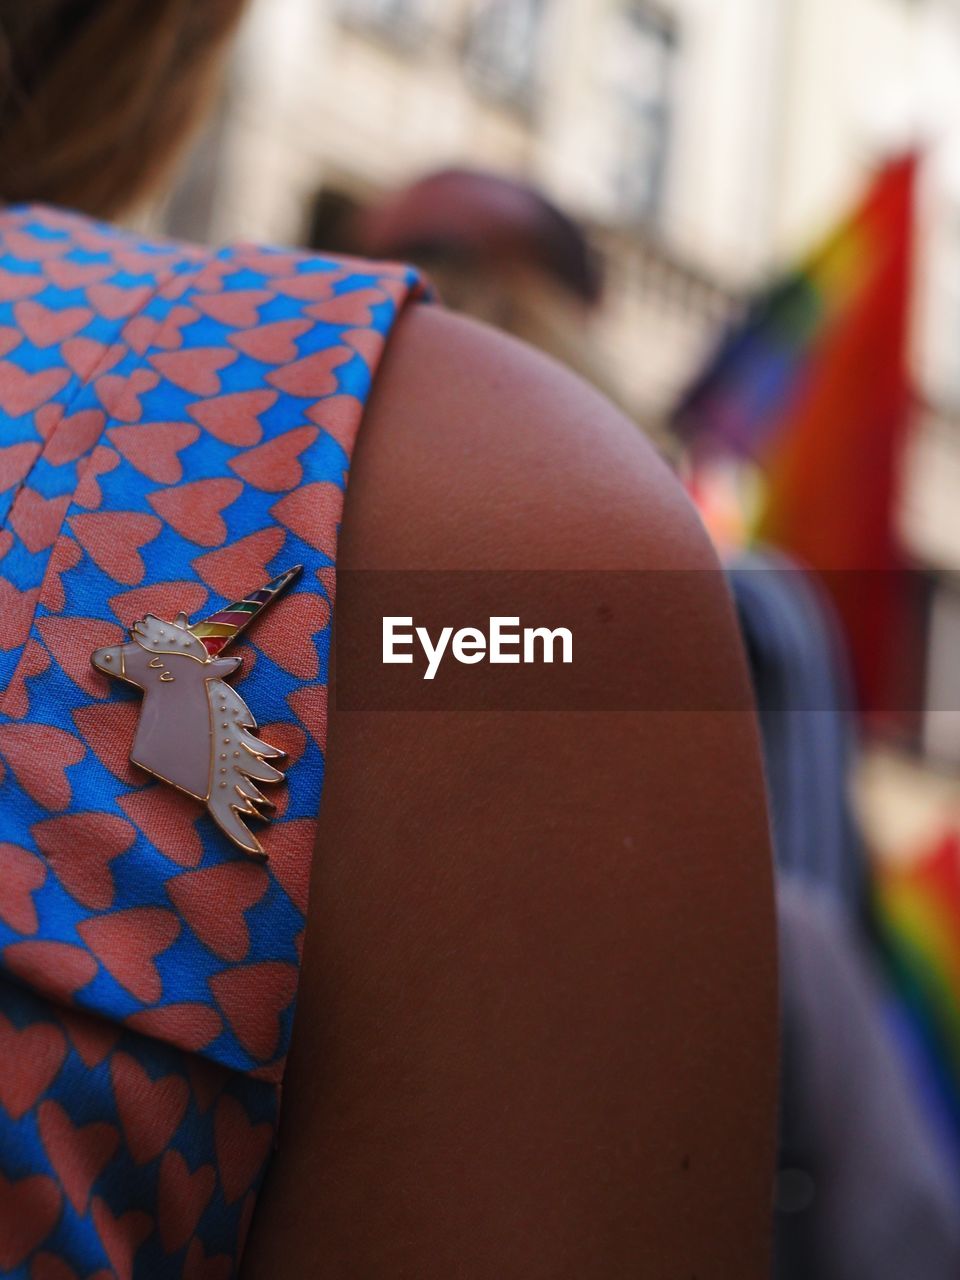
x=196, y=732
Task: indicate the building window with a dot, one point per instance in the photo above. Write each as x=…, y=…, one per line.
x=639, y=71
x=502, y=49
x=404, y=22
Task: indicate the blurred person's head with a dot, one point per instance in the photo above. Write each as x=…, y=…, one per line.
x=496, y=249
x=98, y=96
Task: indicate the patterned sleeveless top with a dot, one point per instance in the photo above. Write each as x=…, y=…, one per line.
x=175, y=430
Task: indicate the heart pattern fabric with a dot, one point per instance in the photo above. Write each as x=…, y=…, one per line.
x=175, y=429
x=119, y=1157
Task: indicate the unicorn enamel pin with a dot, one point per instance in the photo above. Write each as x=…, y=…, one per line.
x=196, y=732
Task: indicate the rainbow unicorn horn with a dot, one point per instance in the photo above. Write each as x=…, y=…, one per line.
x=220, y=629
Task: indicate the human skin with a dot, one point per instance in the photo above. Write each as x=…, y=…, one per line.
x=536, y=1032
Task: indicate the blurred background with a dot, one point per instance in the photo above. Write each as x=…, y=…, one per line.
x=741, y=220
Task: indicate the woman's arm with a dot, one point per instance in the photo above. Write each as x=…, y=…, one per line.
x=536, y=1035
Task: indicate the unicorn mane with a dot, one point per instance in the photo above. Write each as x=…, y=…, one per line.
x=157, y=636
x=239, y=760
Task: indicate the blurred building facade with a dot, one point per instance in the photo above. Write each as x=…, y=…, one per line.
x=705, y=144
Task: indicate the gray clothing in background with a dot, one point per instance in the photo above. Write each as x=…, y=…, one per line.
x=864, y=1191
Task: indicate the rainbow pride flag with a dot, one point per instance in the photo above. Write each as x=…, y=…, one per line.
x=917, y=910
x=813, y=386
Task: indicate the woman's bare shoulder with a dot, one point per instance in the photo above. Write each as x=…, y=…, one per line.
x=536, y=1032
x=487, y=454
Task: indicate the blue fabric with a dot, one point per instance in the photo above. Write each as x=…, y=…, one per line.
x=175, y=430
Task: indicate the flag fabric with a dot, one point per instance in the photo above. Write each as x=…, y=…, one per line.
x=917, y=913
x=814, y=386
